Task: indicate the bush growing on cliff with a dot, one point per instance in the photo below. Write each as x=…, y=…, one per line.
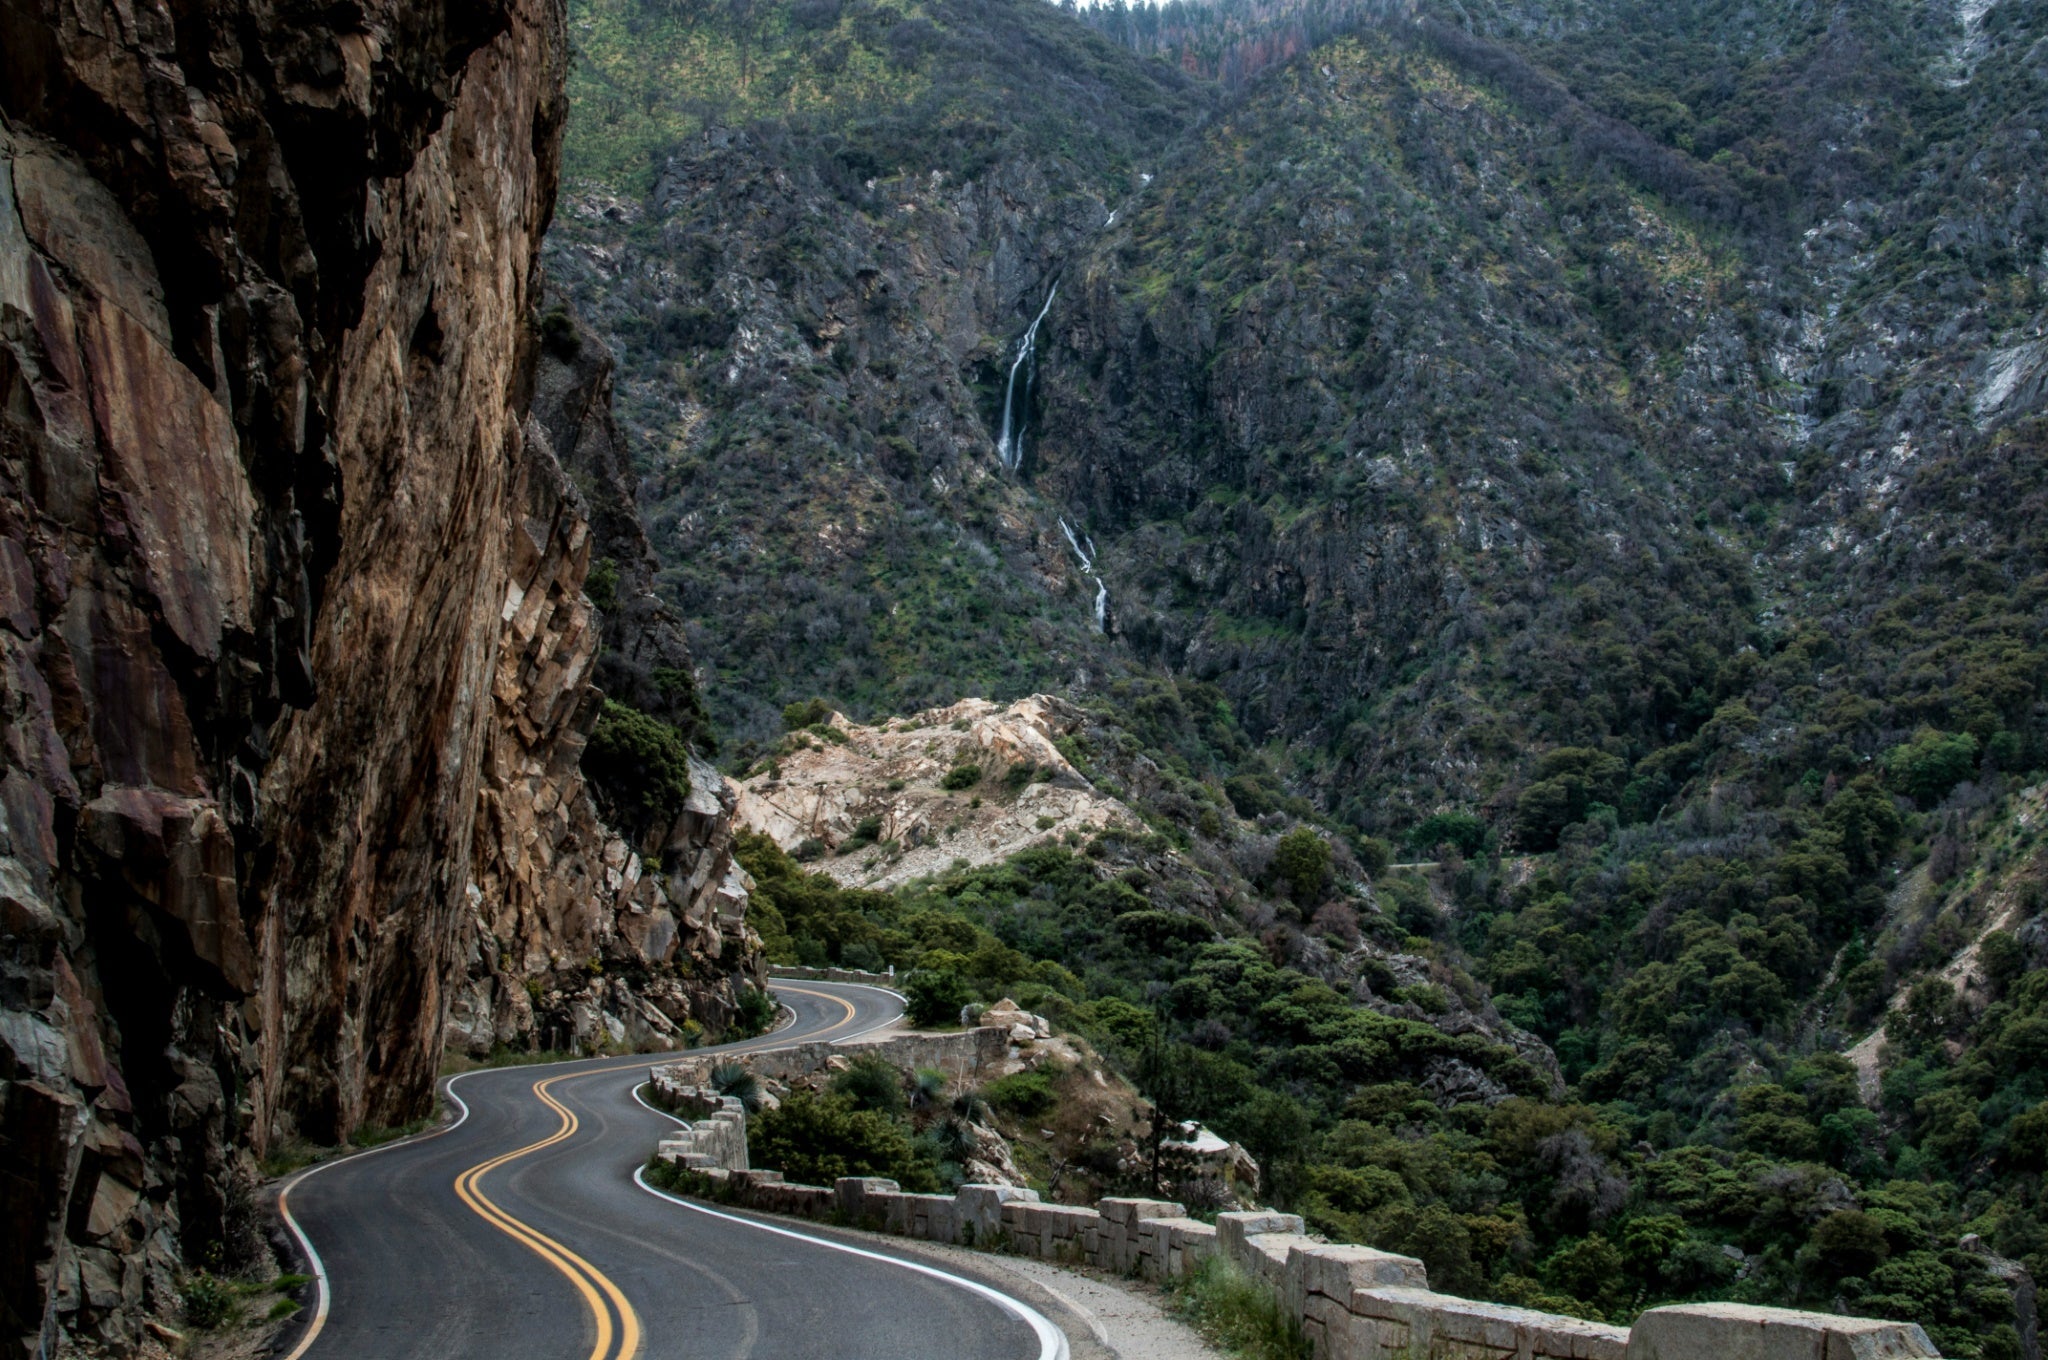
x=1024, y=1094
x=755, y=1014
x=806, y=713
x=1932, y=763
x=601, y=585
x=640, y=769
x=1461, y=830
x=871, y=1083
x=1302, y=862
x=558, y=333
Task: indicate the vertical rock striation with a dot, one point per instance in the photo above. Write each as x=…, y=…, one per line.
x=580, y=938
x=294, y=663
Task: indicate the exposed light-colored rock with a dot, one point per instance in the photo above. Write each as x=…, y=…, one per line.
x=823, y=790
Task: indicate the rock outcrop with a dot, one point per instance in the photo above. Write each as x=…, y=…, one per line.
x=577, y=934
x=267, y=487
x=886, y=787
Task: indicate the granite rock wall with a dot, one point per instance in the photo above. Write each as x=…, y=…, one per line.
x=276, y=751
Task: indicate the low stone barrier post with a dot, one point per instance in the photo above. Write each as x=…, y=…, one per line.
x=1740, y=1331
x=1353, y=1302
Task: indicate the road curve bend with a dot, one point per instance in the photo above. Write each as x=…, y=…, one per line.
x=521, y=1231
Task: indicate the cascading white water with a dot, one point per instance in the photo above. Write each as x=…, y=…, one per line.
x=1087, y=561
x=1010, y=446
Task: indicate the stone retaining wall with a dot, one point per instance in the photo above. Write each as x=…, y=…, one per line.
x=1355, y=1303
x=964, y=1055
x=797, y=973
x=713, y=1132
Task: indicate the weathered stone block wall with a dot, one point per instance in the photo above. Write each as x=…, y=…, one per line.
x=714, y=1129
x=963, y=1056
x=859, y=975
x=1354, y=1302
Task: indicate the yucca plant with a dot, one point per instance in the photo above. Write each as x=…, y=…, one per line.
x=735, y=1080
x=927, y=1088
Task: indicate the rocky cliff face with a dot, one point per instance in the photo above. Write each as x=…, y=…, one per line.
x=578, y=940
x=266, y=348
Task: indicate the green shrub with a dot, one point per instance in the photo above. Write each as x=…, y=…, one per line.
x=1373, y=855
x=806, y=713
x=1460, y=830
x=640, y=769
x=865, y=833
x=814, y=1140
x=558, y=333
x=1569, y=781
x=928, y=1087
x=601, y=586
x=936, y=996
x=1239, y=1314
x=1024, y=1094
x=963, y=776
x=1302, y=862
x=738, y=1081
x=1248, y=796
x=756, y=1012
x=1932, y=763
x=870, y=1084
x=209, y=1301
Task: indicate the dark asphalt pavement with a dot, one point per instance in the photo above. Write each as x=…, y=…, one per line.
x=519, y=1233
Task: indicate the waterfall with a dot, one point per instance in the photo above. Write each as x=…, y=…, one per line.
x=1087, y=561
x=1010, y=447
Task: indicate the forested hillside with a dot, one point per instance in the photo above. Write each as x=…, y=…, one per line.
x=1596, y=452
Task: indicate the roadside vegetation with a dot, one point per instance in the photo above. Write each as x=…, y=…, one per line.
x=1237, y=1314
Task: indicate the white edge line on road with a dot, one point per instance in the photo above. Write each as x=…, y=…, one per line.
x=324, y=1295
x=1052, y=1342
x=1094, y=1323
x=284, y=1208
x=860, y=1034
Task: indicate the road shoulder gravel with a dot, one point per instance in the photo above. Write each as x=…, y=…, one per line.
x=1105, y=1316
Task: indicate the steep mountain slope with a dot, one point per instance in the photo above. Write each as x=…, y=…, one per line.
x=1599, y=446
x=1372, y=399
x=817, y=314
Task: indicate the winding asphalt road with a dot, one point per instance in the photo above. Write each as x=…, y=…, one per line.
x=520, y=1232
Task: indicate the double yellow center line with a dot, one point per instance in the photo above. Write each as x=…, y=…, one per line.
x=618, y=1326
